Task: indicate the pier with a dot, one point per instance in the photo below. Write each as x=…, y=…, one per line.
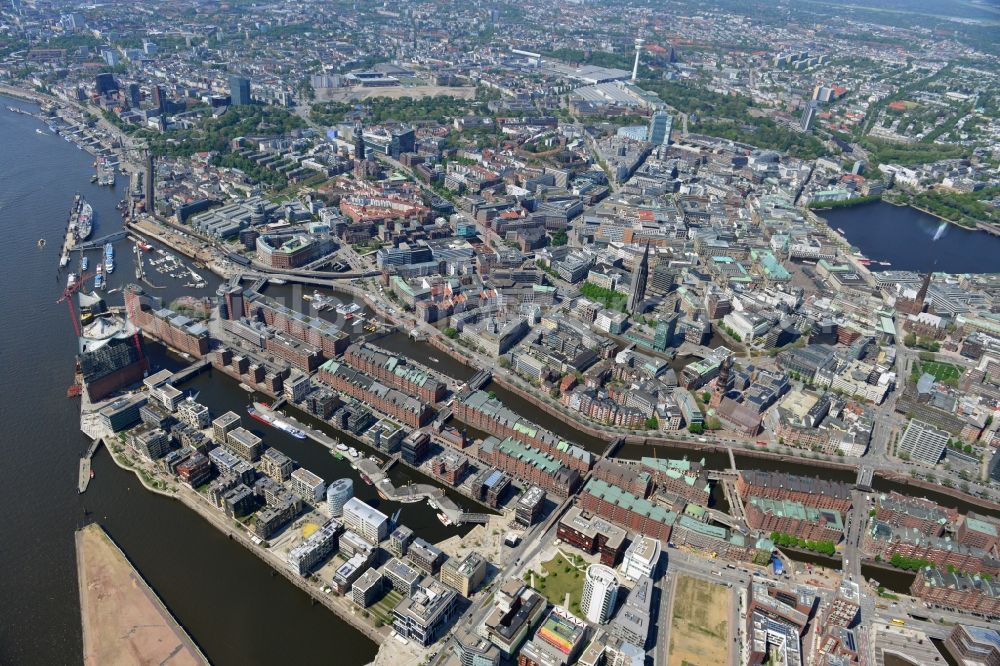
x=83, y=480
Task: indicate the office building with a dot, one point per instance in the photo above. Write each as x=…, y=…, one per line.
x=337, y=495
x=592, y=535
x=660, y=124
x=600, y=590
x=516, y=609
x=306, y=556
x=464, y=575
x=970, y=645
x=642, y=558
x=425, y=615
x=368, y=522
x=640, y=275
x=922, y=442
x=239, y=91
x=105, y=83
x=557, y=642
x=529, y=506
x=808, y=116
x=633, y=621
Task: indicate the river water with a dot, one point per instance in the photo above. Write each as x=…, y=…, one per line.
x=912, y=240
x=235, y=607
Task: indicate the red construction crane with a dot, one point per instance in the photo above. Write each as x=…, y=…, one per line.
x=67, y=296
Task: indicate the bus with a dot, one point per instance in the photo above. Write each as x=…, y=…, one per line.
x=897, y=621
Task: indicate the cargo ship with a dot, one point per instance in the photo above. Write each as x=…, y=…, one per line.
x=259, y=412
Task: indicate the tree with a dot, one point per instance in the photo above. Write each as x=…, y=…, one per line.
x=706, y=396
x=450, y=332
x=652, y=423
x=696, y=428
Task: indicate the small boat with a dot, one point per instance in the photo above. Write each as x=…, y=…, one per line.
x=445, y=520
x=364, y=477
x=341, y=447
x=41, y=243
x=434, y=358
x=353, y=452
x=277, y=281
x=38, y=131
x=64, y=261
x=71, y=281
x=84, y=264
x=840, y=231
x=144, y=246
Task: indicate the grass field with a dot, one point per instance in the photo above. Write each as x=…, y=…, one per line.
x=943, y=372
x=699, y=634
x=561, y=576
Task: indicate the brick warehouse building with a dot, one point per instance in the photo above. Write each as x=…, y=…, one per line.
x=173, y=329
x=954, y=590
x=482, y=412
x=883, y=540
x=360, y=386
x=320, y=333
x=817, y=493
x=793, y=518
x=397, y=372
x=625, y=509
x=529, y=465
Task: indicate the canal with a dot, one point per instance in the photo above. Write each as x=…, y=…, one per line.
x=912, y=240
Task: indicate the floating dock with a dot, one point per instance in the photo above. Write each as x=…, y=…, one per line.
x=85, y=472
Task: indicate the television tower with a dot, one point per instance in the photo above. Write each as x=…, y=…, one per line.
x=639, y=41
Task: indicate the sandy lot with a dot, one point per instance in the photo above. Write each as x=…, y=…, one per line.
x=698, y=631
x=123, y=620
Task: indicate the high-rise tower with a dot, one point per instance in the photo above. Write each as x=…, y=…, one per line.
x=150, y=183
x=639, y=277
x=638, y=49
x=359, y=142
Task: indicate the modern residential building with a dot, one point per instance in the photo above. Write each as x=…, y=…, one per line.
x=402, y=577
x=307, y=485
x=368, y=588
x=304, y=557
x=370, y=523
x=600, y=590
